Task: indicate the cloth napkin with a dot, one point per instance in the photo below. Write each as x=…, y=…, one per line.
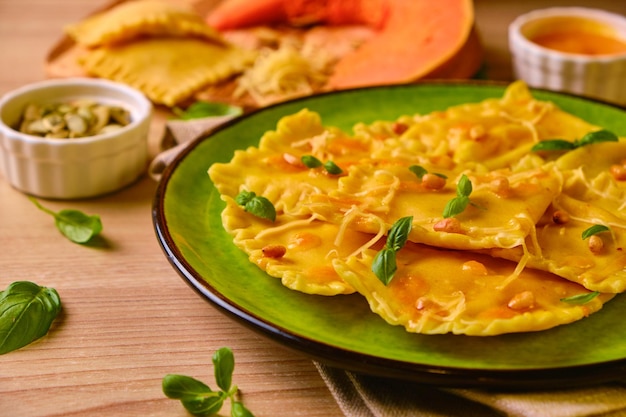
x=177, y=136
x=369, y=396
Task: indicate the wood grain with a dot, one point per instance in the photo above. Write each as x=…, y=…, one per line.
x=128, y=319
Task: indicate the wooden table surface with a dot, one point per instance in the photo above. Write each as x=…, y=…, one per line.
x=128, y=319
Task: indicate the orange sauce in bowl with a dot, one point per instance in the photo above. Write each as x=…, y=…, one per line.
x=582, y=36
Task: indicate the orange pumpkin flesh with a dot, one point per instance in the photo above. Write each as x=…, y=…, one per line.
x=420, y=38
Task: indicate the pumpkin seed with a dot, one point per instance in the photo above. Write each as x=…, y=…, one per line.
x=69, y=120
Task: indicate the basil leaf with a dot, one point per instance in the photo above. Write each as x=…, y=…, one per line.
x=464, y=186
x=455, y=206
x=553, y=145
x=261, y=207
x=597, y=136
x=332, y=168
x=201, y=109
x=74, y=224
x=418, y=171
x=196, y=396
x=224, y=365
x=238, y=410
x=244, y=196
x=26, y=314
x=257, y=205
x=78, y=226
x=581, y=298
x=384, y=265
x=204, y=406
x=594, y=230
x=564, y=145
x=182, y=386
x=310, y=161
x=399, y=233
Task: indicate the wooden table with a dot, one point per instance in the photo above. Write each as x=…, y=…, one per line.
x=128, y=319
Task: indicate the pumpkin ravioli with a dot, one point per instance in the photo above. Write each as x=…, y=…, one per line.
x=438, y=291
x=498, y=264
x=167, y=70
x=131, y=20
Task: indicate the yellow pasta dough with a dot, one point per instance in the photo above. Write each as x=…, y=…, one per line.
x=135, y=19
x=591, y=196
x=461, y=292
x=167, y=70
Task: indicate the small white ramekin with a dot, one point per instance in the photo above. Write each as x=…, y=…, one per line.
x=74, y=168
x=595, y=76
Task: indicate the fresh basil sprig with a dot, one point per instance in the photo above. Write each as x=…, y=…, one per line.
x=331, y=167
x=420, y=171
x=384, y=264
x=581, y=298
x=564, y=145
x=594, y=230
x=257, y=205
x=198, y=398
x=74, y=224
x=26, y=314
x=459, y=203
x=201, y=109
x=310, y=161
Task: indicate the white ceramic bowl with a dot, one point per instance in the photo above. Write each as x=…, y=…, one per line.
x=80, y=167
x=600, y=76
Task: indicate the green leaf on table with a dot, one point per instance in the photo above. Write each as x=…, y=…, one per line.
x=74, y=224
x=224, y=365
x=237, y=409
x=201, y=109
x=198, y=398
x=26, y=314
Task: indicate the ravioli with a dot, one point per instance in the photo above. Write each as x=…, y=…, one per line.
x=140, y=18
x=275, y=169
x=498, y=263
x=437, y=291
x=490, y=134
x=505, y=205
x=591, y=196
x=299, y=251
x=167, y=70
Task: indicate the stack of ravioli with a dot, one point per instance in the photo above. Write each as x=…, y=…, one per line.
x=515, y=260
x=165, y=50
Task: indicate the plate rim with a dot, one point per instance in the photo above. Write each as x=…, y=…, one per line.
x=339, y=357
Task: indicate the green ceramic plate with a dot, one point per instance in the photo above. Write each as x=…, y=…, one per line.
x=341, y=330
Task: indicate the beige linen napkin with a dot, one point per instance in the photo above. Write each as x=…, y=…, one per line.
x=369, y=396
x=178, y=135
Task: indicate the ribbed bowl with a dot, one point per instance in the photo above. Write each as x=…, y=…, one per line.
x=596, y=76
x=74, y=168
